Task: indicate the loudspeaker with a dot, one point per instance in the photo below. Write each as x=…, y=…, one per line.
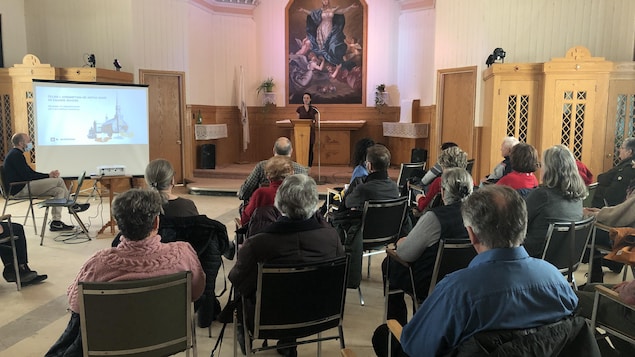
x=208, y=156
x=419, y=155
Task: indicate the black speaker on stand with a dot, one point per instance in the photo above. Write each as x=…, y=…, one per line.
x=419, y=155
x=208, y=156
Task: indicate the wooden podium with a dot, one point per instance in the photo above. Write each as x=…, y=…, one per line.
x=301, y=139
x=334, y=142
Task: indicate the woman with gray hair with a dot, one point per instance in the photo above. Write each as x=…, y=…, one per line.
x=449, y=158
x=298, y=236
x=159, y=176
x=558, y=198
x=420, y=246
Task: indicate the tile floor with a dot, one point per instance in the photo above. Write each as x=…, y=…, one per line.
x=32, y=319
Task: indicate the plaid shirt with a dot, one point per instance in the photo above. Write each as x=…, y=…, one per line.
x=257, y=178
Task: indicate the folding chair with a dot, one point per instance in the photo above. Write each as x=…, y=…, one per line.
x=295, y=302
x=6, y=194
x=68, y=202
x=565, y=245
x=157, y=313
x=589, y=199
x=11, y=238
x=408, y=170
x=381, y=225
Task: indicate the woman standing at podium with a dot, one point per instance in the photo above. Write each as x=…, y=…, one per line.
x=308, y=111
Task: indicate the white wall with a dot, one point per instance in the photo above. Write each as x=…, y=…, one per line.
x=13, y=31
x=467, y=31
x=416, y=56
x=63, y=33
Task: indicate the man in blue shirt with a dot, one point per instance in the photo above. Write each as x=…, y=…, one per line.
x=502, y=288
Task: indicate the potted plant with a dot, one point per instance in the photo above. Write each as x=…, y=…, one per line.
x=380, y=95
x=266, y=85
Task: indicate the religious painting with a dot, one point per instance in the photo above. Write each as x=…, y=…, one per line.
x=326, y=51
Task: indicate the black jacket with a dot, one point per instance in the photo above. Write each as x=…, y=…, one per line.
x=613, y=183
x=568, y=337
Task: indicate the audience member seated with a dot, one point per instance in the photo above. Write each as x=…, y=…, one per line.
x=159, y=175
x=436, y=170
x=621, y=215
x=277, y=169
x=585, y=173
x=618, y=315
x=140, y=255
x=558, y=199
x=257, y=177
x=525, y=162
x=448, y=158
x=504, y=167
x=502, y=288
x=347, y=220
x=17, y=170
x=612, y=184
x=181, y=221
x=420, y=246
x=27, y=276
x=299, y=236
x=359, y=158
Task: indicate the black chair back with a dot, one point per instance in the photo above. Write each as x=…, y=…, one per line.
x=565, y=245
x=299, y=300
x=381, y=221
x=408, y=170
x=452, y=254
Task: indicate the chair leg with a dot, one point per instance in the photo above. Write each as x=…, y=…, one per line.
x=46, y=215
x=361, y=297
x=32, y=216
x=368, y=269
x=81, y=224
x=16, y=266
x=319, y=345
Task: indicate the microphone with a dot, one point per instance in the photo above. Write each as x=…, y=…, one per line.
x=318, y=114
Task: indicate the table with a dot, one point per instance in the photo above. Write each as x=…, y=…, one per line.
x=110, y=183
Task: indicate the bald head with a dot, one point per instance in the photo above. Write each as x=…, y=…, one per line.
x=282, y=147
x=19, y=139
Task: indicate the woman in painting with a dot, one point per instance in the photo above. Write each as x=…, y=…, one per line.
x=325, y=30
x=308, y=111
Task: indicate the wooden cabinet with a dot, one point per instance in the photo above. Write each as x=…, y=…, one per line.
x=574, y=110
x=512, y=108
x=563, y=101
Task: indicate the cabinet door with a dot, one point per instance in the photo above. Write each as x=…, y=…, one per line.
x=573, y=117
x=620, y=119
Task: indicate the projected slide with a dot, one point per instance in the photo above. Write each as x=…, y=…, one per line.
x=92, y=125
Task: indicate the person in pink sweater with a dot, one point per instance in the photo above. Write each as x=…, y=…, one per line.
x=140, y=255
x=277, y=169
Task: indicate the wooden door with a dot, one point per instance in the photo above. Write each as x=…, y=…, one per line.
x=456, y=92
x=167, y=110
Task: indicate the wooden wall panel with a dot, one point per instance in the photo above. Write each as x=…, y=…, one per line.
x=264, y=131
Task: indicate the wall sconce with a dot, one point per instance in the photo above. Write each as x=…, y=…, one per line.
x=498, y=54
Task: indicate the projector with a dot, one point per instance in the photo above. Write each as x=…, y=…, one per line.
x=111, y=170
